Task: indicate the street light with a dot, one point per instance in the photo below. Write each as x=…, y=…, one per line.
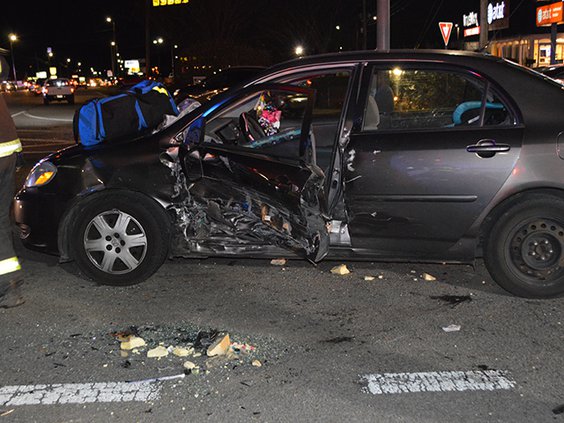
x=158, y=42
x=13, y=38
x=299, y=51
x=113, y=44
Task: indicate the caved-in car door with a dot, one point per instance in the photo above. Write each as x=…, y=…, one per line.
x=251, y=176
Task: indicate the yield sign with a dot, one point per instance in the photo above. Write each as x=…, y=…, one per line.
x=446, y=29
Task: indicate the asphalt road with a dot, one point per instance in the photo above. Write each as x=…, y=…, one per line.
x=331, y=348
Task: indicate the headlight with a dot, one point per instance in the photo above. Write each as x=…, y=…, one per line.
x=41, y=174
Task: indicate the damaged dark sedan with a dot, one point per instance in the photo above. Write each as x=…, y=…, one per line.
x=404, y=156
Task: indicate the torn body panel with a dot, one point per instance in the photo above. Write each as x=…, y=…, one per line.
x=246, y=202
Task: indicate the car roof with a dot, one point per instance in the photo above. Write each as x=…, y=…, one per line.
x=452, y=56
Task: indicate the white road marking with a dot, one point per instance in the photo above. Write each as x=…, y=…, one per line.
x=79, y=393
x=399, y=383
x=17, y=114
x=45, y=118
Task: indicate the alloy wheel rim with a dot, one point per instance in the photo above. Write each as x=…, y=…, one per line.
x=535, y=249
x=115, y=242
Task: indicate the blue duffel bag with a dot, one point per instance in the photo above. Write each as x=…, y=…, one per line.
x=140, y=108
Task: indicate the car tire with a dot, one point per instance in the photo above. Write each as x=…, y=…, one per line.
x=70, y=99
x=119, y=238
x=46, y=101
x=524, y=251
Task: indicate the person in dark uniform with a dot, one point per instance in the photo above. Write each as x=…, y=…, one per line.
x=10, y=146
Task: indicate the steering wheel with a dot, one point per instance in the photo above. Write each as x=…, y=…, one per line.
x=250, y=128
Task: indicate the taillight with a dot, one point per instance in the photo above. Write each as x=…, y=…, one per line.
x=72, y=90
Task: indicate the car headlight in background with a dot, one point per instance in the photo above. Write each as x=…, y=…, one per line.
x=41, y=174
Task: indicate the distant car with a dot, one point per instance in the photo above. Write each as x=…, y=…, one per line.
x=128, y=81
x=60, y=89
x=36, y=87
x=6, y=86
x=216, y=84
x=393, y=156
x=555, y=72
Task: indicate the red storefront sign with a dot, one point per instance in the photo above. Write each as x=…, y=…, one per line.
x=550, y=14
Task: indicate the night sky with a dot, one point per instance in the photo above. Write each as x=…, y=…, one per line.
x=262, y=32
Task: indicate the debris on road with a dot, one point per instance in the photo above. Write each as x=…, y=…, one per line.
x=559, y=410
x=132, y=342
x=452, y=300
x=369, y=278
x=256, y=363
x=182, y=352
x=205, y=338
x=220, y=346
x=452, y=328
x=7, y=412
x=158, y=352
x=159, y=379
x=428, y=277
x=340, y=270
x=239, y=348
x=188, y=365
x=206, y=349
x=278, y=262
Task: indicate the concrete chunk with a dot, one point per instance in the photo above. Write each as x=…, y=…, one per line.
x=340, y=270
x=220, y=346
x=132, y=343
x=157, y=352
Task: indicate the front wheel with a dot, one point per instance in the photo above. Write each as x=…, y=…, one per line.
x=524, y=251
x=120, y=239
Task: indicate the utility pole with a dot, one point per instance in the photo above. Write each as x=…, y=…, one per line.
x=383, y=24
x=553, y=41
x=483, y=24
x=147, y=39
x=13, y=38
x=364, y=26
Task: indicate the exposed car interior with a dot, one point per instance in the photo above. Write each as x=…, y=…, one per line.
x=418, y=99
x=272, y=121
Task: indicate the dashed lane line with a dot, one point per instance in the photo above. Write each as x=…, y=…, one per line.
x=460, y=381
x=82, y=393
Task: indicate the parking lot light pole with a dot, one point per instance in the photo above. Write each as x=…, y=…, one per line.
x=13, y=38
x=172, y=57
x=113, y=44
x=158, y=42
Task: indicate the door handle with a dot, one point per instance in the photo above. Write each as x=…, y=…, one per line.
x=487, y=148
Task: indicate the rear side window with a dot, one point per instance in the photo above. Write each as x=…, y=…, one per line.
x=424, y=98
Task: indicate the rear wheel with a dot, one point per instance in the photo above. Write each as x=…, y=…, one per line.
x=70, y=99
x=525, y=249
x=120, y=239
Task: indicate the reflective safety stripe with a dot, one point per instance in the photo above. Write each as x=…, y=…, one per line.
x=9, y=265
x=10, y=147
x=161, y=90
